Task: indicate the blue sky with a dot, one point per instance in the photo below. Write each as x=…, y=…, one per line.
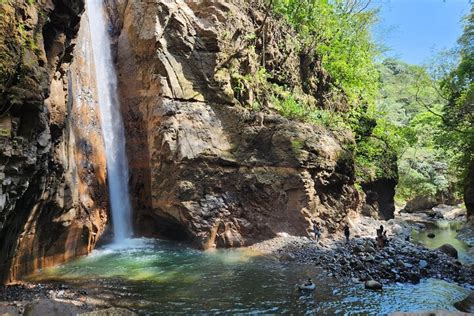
x=415, y=30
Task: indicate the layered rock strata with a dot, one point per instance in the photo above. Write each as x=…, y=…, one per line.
x=204, y=166
x=52, y=169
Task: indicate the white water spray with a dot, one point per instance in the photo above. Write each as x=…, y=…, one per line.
x=111, y=120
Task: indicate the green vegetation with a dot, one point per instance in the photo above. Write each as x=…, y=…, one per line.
x=457, y=88
x=405, y=117
x=17, y=63
x=338, y=32
x=398, y=112
x=297, y=145
x=429, y=119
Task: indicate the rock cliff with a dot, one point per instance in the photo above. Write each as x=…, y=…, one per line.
x=469, y=191
x=205, y=167
x=53, y=197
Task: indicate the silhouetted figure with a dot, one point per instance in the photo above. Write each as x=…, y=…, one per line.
x=381, y=238
x=316, y=230
x=380, y=231
x=347, y=232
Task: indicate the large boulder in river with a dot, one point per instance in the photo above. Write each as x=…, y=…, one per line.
x=467, y=304
x=449, y=250
x=420, y=203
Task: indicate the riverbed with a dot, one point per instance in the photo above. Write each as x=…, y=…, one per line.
x=155, y=277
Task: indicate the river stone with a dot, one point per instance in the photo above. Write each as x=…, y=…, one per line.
x=422, y=264
x=449, y=250
x=356, y=249
x=287, y=257
x=50, y=308
x=369, y=258
x=467, y=304
x=369, y=249
x=408, y=265
x=9, y=309
x=373, y=285
x=413, y=277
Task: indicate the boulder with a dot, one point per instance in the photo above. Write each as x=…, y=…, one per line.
x=7, y=309
x=287, y=257
x=413, y=277
x=420, y=203
x=373, y=285
x=50, y=308
x=369, y=249
x=467, y=304
x=422, y=264
x=370, y=211
x=449, y=250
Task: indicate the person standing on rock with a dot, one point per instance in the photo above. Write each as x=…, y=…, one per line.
x=316, y=230
x=347, y=232
x=380, y=239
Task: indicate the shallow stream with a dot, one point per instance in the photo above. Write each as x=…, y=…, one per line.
x=445, y=232
x=154, y=277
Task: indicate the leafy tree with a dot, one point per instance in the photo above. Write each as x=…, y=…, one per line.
x=408, y=119
x=458, y=115
x=338, y=32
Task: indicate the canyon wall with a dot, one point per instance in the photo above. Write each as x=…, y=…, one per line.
x=469, y=191
x=53, y=196
x=206, y=167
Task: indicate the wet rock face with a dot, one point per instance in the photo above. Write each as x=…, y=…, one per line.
x=203, y=167
x=52, y=175
x=449, y=250
x=380, y=197
x=467, y=304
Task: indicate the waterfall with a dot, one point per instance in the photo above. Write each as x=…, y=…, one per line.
x=111, y=120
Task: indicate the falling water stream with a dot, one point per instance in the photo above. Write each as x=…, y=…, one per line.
x=111, y=121
x=155, y=277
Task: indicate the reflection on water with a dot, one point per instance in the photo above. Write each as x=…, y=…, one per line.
x=445, y=233
x=155, y=277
